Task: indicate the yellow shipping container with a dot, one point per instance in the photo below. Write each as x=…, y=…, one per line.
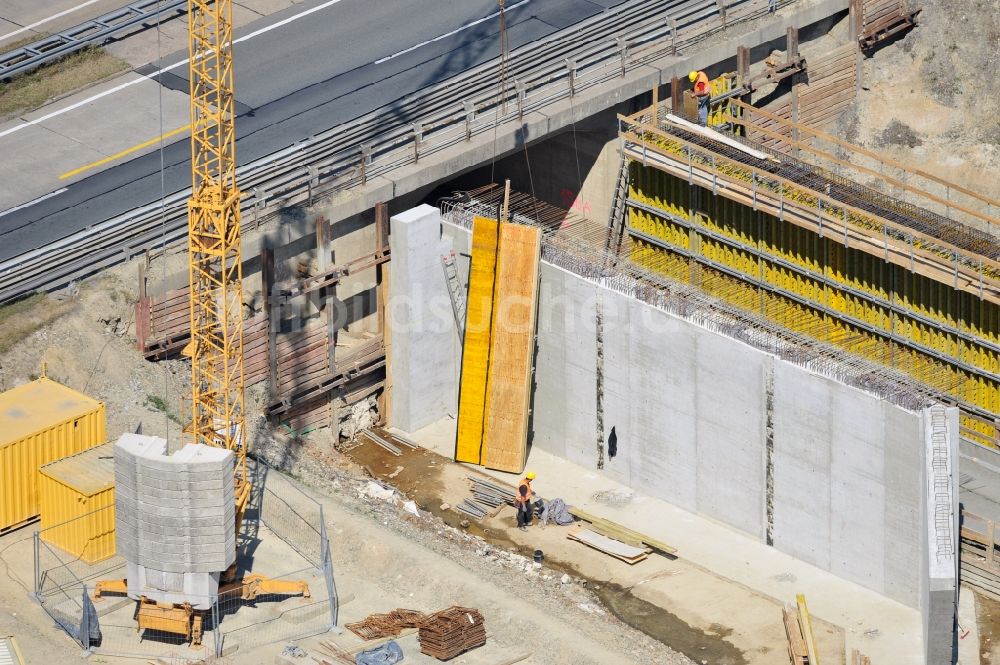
x=78, y=503
x=40, y=422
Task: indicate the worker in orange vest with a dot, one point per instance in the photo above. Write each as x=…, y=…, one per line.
x=522, y=501
x=703, y=93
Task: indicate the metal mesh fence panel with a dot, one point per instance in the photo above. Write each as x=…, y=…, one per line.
x=293, y=594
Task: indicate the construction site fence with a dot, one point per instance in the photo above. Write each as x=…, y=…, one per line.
x=65, y=584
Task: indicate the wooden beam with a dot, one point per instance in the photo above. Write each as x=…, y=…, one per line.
x=792, y=44
x=742, y=65
x=142, y=312
x=381, y=294
x=267, y=280
x=676, y=101
x=324, y=260
x=805, y=623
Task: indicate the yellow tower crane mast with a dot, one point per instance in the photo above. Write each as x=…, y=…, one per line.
x=216, y=273
x=216, y=300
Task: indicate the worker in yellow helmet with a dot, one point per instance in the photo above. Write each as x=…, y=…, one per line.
x=702, y=93
x=522, y=501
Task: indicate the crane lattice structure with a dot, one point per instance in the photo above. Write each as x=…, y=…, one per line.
x=216, y=347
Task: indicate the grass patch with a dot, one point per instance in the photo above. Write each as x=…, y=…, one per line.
x=73, y=72
x=157, y=403
x=23, y=317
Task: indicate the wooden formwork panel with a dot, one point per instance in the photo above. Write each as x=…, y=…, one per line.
x=302, y=356
x=513, y=343
x=476, y=345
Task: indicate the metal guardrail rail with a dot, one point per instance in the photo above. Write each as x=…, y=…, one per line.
x=92, y=33
x=597, y=50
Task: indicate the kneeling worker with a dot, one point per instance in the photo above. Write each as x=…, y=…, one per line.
x=522, y=501
x=702, y=93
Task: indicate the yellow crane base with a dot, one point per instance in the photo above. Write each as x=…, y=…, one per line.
x=183, y=619
x=169, y=618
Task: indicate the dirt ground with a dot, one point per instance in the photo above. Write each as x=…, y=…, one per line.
x=988, y=620
x=670, y=599
x=925, y=101
x=384, y=556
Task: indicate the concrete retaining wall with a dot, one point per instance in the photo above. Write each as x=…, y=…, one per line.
x=823, y=471
x=847, y=482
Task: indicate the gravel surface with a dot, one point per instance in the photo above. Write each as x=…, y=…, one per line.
x=557, y=595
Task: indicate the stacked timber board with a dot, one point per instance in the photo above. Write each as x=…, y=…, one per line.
x=610, y=546
x=497, y=358
x=831, y=87
x=980, y=555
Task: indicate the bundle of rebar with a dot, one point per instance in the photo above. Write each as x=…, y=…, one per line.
x=451, y=632
x=376, y=626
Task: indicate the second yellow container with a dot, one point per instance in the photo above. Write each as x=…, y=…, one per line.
x=78, y=503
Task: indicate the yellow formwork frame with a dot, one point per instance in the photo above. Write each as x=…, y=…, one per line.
x=699, y=230
x=216, y=273
x=473, y=387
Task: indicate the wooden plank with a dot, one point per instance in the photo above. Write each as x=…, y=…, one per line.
x=831, y=84
x=716, y=136
x=624, y=534
x=805, y=624
x=797, y=652
x=512, y=348
x=611, y=547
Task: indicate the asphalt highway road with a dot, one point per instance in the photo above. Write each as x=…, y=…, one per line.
x=299, y=79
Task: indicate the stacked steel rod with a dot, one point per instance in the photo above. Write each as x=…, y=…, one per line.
x=906, y=214
x=450, y=632
x=486, y=498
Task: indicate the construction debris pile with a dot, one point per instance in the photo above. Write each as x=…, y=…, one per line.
x=487, y=499
x=452, y=631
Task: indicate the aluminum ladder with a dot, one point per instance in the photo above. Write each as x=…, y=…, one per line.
x=616, y=218
x=458, y=304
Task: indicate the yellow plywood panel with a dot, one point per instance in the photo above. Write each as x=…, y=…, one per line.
x=476, y=345
x=513, y=344
x=77, y=496
x=40, y=422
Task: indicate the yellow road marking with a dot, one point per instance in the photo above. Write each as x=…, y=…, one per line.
x=126, y=151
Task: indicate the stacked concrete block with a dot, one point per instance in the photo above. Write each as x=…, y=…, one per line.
x=425, y=345
x=175, y=518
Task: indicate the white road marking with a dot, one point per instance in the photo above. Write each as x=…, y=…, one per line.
x=128, y=84
x=449, y=34
x=33, y=202
x=47, y=19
